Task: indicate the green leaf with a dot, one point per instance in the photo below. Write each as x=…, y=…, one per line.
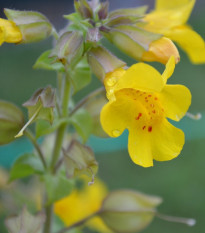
x=57, y=187
x=81, y=75
x=82, y=122
x=47, y=63
x=44, y=127
x=25, y=222
x=26, y=165
x=11, y=121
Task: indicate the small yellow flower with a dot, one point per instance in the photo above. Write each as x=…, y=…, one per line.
x=169, y=18
x=83, y=203
x=140, y=101
x=9, y=32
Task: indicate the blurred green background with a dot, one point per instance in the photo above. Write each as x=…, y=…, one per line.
x=180, y=182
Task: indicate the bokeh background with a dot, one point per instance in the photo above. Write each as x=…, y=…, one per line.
x=180, y=182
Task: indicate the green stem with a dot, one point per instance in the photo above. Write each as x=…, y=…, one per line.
x=49, y=213
x=77, y=224
x=29, y=135
x=62, y=129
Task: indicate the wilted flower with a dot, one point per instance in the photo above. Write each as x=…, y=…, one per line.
x=169, y=18
x=140, y=101
x=9, y=32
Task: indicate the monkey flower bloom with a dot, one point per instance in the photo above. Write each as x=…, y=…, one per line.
x=140, y=101
x=9, y=32
x=169, y=18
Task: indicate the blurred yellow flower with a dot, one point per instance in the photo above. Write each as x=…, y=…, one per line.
x=9, y=32
x=169, y=18
x=140, y=101
x=83, y=203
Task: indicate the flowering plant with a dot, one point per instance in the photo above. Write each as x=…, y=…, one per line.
x=136, y=98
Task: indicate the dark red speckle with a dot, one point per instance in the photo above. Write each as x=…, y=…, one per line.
x=156, y=98
x=139, y=115
x=143, y=127
x=150, y=129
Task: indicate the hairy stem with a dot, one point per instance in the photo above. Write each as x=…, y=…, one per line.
x=30, y=136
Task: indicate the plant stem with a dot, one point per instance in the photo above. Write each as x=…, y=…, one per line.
x=29, y=134
x=77, y=224
x=49, y=213
x=87, y=98
x=62, y=129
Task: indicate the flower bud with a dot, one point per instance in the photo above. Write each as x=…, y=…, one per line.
x=11, y=121
x=161, y=50
x=102, y=61
x=69, y=48
x=128, y=211
x=83, y=8
x=103, y=11
x=132, y=40
x=80, y=159
x=33, y=25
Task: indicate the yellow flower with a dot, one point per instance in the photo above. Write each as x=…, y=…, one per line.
x=81, y=204
x=9, y=32
x=169, y=18
x=140, y=101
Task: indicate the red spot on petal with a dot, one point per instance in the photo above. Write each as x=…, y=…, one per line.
x=154, y=111
x=143, y=127
x=139, y=115
x=150, y=129
x=156, y=98
x=152, y=105
x=146, y=100
x=149, y=95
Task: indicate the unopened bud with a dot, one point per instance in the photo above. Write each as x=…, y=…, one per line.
x=33, y=25
x=83, y=8
x=128, y=211
x=161, y=50
x=102, y=62
x=69, y=48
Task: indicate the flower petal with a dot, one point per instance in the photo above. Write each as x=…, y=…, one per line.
x=11, y=31
x=167, y=141
x=169, y=70
x=190, y=41
x=183, y=8
x=139, y=148
x=141, y=77
x=176, y=100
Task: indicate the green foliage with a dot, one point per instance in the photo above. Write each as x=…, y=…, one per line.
x=81, y=75
x=57, y=187
x=82, y=122
x=11, y=121
x=26, y=165
x=47, y=63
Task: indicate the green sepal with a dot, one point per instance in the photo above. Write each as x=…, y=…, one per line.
x=137, y=11
x=48, y=63
x=34, y=26
x=82, y=122
x=26, y=165
x=57, y=187
x=69, y=48
x=102, y=61
x=79, y=159
x=83, y=8
x=128, y=211
x=81, y=75
x=25, y=222
x=11, y=121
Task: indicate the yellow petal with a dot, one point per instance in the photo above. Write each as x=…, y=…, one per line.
x=2, y=36
x=176, y=100
x=161, y=50
x=11, y=31
x=139, y=148
x=169, y=70
x=168, y=14
x=141, y=77
x=190, y=41
x=167, y=141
